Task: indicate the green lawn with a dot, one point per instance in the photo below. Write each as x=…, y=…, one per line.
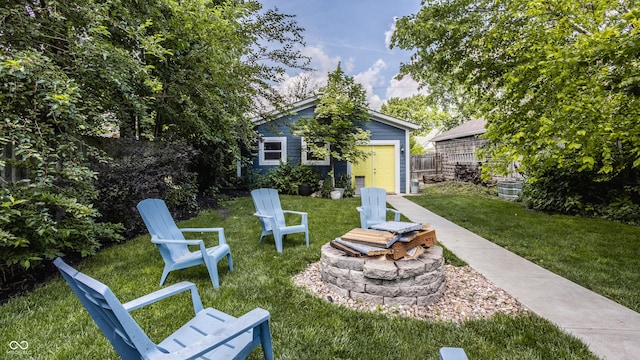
x=55, y=325
x=600, y=255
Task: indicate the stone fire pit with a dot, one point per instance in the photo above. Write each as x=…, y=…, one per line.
x=407, y=281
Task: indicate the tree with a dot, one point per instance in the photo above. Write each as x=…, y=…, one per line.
x=190, y=70
x=341, y=113
x=159, y=69
x=46, y=209
x=556, y=80
x=419, y=109
x=213, y=64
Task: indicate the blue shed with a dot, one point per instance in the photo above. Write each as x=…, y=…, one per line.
x=387, y=165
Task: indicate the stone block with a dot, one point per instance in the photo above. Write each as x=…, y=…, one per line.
x=380, y=269
x=330, y=255
x=327, y=278
x=337, y=272
x=416, y=290
x=429, y=278
x=400, y=300
x=337, y=258
x=430, y=299
x=338, y=290
x=368, y=298
x=409, y=268
x=358, y=276
x=385, y=291
x=432, y=258
x=350, y=285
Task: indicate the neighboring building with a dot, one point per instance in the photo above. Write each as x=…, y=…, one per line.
x=386, y=167
x=457, y=148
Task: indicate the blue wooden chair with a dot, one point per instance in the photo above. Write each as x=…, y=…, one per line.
x=173, y=246
x=374, y=207
x=211, y=334
x=272, y=218
x=449, y=353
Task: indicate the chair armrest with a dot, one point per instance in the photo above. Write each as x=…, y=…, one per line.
x=294, y=212
x=176, y=241
x=165, y=293
x=360, y=209
x=303, y=215
x=396, y=212
x=263, y=216
x=202, y=229
x=221, y=238
x=248, y=321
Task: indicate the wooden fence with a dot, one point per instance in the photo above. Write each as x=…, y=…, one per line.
x=425, y=165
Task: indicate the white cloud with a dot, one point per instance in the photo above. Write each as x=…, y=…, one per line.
x=320, y=61
x=370, y=79
x=403, y=88
x=389, y=33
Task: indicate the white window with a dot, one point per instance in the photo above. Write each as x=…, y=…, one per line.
x=273, y=150
x=309, y=158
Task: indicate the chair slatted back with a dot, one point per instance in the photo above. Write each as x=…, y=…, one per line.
x=124, y=334
x=374, y=203
x=157, y=218
x=267, y=202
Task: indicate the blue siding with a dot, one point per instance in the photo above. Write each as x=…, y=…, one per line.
x=378, y=130
x=280, y=128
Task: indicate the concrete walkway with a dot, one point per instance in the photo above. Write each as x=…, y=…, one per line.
x=611, y=331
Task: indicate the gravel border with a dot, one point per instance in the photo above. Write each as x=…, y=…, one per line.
x=468, y=295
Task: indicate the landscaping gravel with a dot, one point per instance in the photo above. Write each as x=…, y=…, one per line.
x=468, y=295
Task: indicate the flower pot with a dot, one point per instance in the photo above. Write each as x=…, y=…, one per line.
x=335, y=195
x=304, y=189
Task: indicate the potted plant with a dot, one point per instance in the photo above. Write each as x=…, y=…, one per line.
x=343, y=184
x=306, y=179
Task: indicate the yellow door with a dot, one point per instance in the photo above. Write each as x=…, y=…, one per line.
x=379, y=168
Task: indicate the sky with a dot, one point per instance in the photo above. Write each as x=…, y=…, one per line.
x=356, y=34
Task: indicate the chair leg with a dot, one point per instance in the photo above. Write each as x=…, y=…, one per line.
x=230, y=262
x=212, y=266
x=306, y=237
x=278, y=240
x=265, y=340
x=214, y=278
x=165, y=273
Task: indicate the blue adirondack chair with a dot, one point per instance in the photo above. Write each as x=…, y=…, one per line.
x=374, y=207
x=272, y=218
x=449, y=353
x=173, y=246
x=211, y=334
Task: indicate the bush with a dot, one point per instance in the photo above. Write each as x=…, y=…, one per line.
x=286, y=178
x=327, y=187
x=344, y=181
x=46, y=206
x=142, y=170
x=578, y=193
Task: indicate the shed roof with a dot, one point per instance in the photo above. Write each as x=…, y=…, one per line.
x=313, y=101
x=469, y=128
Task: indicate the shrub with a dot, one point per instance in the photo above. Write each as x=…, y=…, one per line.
x=579, y=193
x=142, y=170
x=327, y=186
x=305, y=174
x=46, y=208
x=286, y=178
x=344, y=181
